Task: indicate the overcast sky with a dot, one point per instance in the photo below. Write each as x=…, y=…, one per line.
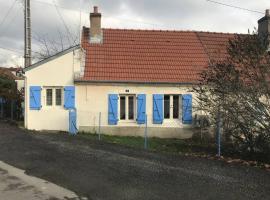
x=50, y=21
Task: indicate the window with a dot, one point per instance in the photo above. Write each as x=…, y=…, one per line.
x=171, y=106
x=131, y=107
x=54, y=96
x=122, y=107
x=58, y=97
x=127, y=107
x=49, y=97
x=166, y=106
x=176, y=106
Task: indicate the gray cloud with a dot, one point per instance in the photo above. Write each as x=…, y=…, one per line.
x=140, y=14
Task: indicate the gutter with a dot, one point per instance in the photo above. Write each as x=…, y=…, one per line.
x=134, y=82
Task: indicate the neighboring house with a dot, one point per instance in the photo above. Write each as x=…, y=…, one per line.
x=7, y=73
x=15, y=74
x=127, y=76
x=9, y=108
x=18, y=72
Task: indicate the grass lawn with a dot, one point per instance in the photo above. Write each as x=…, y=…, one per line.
x=192, y=146
x=158, y=144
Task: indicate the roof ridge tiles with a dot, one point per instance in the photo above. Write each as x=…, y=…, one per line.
x=168, y=30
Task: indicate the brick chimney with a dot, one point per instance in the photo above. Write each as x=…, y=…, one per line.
x=95, y=26
x=264, y=25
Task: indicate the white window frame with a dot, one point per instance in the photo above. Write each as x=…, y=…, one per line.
x=171, y=107
x=53, y=97
x=127, y=107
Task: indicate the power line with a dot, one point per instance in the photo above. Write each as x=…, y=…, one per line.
x=3, y=31
x=63, y=21
x=59, y=6
x=232, y=6
x=8, y=12
x=18, y=51
x=76, y=10
x=11, y=50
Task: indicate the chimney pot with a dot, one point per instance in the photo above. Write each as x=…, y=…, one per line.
x=96, y=9
x=264, y=28
x=95, y=26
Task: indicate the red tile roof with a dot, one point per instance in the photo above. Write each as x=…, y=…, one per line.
x=151, y=56
x=215, y=44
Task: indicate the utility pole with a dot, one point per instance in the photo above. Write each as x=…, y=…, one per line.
x=27, y=34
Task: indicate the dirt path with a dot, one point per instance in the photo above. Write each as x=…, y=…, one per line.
x=106, y=171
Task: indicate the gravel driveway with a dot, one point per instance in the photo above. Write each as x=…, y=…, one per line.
x=106, y=171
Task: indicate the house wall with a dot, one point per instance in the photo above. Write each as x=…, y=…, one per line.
x=92, y=99
x=91, y=102
x=58, y=72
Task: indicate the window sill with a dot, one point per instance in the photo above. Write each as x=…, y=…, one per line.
x=52, y=107
x=172, y=120
x=127, y=122
x=175, y=122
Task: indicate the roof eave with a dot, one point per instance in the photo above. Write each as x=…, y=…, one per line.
x=134, y=82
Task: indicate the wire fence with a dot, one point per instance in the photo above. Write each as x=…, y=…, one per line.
x=97, y=123
x=10, y=109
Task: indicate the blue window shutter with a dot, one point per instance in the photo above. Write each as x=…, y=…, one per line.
x=69, y=97
x=141, y=108
x=113, y=109
x=158, y=108
x=187, y=108
x=73, y=122
x=35, y=97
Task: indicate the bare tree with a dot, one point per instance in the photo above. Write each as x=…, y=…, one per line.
x=238, y=90
x=50, y=46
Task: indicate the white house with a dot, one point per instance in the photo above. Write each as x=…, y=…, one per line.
x=118, y=78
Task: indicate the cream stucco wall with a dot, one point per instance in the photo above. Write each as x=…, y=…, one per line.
x=58, y=72
x=92, y=99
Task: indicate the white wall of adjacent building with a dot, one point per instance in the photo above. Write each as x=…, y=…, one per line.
x=56, y=73
x=20, y=84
